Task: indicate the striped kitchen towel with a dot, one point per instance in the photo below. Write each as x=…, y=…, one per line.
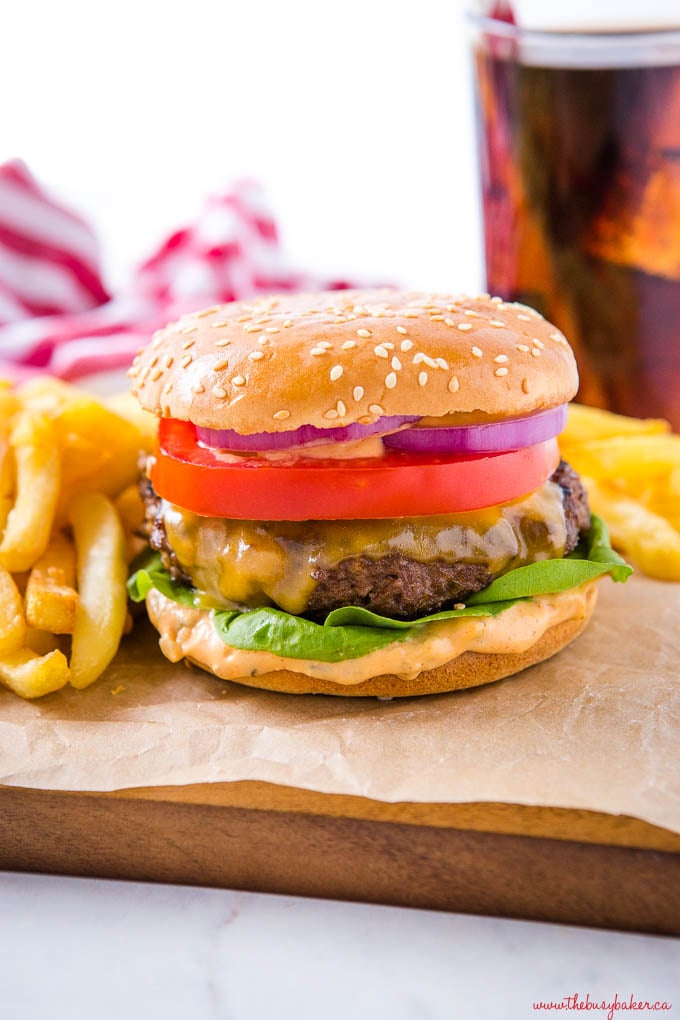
x=56, y=313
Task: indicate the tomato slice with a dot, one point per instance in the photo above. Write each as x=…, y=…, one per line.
x=399, y=484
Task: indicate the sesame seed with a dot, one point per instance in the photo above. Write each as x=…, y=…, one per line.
x=449, y=322
x=523, y=317
x=523, y=348
x=436, y=318
x=497, y=300
x=189, y=329
x=501, y=371
x=340, y=318
x=154, y=361
x=442, y=363
x=336, y=372
x=281, y=415
x=156, y=374
x=272, y=329
x=387, y=345
x=167, y=388
x=264, y=341
x=525, y=385
x=168, y=360
x=222, y=343
x=422, y=378
x=364, y=332
x=402, y=329
x=256, y=355
x=418, y=358
x=496, y=322
x=330, y=413
x=251, y=329
x=537, y=343
x=219, y=392
x=325, y=344
x=288, y=323
x=536, y=353
x=317, y=350
x=381, y=351
x=244, y=318
x=238, y=380
x=483, y=296
x=198, y=388
x=342, y=410
x=454, y=385
x=471, y=313
x=396, y=364
x=477, y=352
x=143, y=374
x=131, y=373
x=358, y=392
x=464, y=326
x=557, y=337
x=391, y=380
x=219, y=324
x=406, y=345
x=187, y=344
x=348, y=345
x=376, y=409
x=459, y=605
x=411, y=315
x=186, y=360
x=219, y=365
x=501, y=358
x=430, y=362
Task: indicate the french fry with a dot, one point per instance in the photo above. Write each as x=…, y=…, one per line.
x=37, y=466
x=632, y=459
x=51, y=598
x=100, y=451
x=31, y=675
x=646, y=537
x=102, y=574
x=585, y=424
x=131, y=512
x=146, y=423
x=12, y=621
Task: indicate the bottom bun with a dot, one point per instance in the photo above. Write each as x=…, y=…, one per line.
x=188, y=634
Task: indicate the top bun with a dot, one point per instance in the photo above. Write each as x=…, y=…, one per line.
x=333, y=358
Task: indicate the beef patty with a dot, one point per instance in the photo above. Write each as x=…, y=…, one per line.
x=395, y=584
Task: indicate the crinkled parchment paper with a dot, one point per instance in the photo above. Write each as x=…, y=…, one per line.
x=597, y=727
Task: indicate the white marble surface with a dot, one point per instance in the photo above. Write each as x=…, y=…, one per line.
x=92, y=950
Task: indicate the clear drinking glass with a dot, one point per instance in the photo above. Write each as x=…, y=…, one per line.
x=579, y=140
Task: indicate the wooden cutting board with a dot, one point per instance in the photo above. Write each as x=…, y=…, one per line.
x=575, y=867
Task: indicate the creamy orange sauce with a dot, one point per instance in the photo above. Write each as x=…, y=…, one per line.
x=189, y=634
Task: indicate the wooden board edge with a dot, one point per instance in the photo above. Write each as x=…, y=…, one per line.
x=341, y=858
x=570, y=824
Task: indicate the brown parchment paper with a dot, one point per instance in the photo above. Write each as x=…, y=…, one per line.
x=597, y=727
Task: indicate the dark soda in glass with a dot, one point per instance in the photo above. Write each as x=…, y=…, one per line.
x=580, y=161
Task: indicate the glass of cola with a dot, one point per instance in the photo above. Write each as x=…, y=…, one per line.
x=579, y=140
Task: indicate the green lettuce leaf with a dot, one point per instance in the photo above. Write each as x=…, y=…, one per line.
x=351, y=632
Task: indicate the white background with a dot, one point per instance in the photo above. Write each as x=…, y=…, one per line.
x=357, y=118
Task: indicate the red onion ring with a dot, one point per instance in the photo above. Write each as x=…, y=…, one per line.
x=495, y=437
x=306, y=435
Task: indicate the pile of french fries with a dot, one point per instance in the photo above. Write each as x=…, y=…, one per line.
x=631, y=469
x=69, y=513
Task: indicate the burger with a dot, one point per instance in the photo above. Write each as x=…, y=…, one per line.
x=361, y=493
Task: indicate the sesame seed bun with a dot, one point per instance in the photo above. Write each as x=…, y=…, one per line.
x=335, y=358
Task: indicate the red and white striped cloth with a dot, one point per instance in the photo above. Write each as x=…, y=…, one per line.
x=56, y=314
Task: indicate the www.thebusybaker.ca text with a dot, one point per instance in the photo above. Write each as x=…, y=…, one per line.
x=608, y=1006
